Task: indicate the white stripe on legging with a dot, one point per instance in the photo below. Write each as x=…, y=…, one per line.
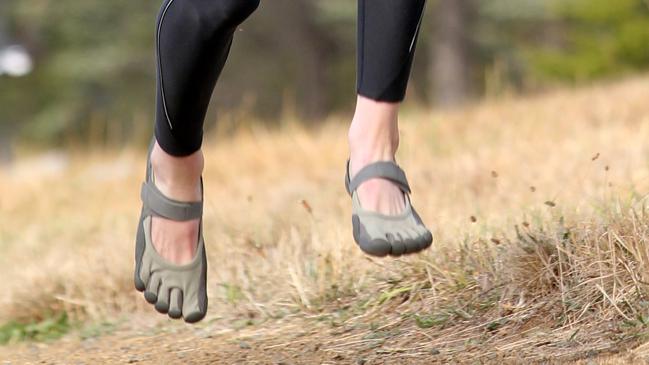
x=162, y=90
x=414, y=37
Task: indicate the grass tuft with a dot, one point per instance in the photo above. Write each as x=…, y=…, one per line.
x=47, y=329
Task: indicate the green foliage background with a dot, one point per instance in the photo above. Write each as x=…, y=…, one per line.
x=94, y=62
x=600, y=38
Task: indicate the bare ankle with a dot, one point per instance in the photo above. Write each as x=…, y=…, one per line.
x=177, y=177
x=374, y=132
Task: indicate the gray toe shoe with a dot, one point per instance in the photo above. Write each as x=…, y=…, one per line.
x=379, y=234
x=178, y=290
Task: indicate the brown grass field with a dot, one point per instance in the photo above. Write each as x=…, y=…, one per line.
x=537, y=204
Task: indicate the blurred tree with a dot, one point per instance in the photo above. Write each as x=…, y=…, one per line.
x=94, y=62
x=503, y=30
x=598, y=38
x=286, y=59
x=7, y=124
x=450, y=65
x=93, y=66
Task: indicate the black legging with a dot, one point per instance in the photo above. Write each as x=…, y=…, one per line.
x=193, y=39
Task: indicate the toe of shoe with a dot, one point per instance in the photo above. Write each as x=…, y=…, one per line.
x=194, y=317
x=162, y=307
x=412, y=245
x=150, y=297
x=175, y=313
x=139, y=284
x=418, y=243
x=398, y=247
x=426, y=240
x=376, y=247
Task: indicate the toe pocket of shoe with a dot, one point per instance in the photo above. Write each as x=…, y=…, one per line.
x=194, y=317
x=139, y=284
x=175, y=303
x=144, y=277
x=162, y=304
x=413, y=242
x=397, y=244
x=426, y=239
x=191, y=308
x=151, y=292
x=376, y=247
x=412, y=245
x=372, y=246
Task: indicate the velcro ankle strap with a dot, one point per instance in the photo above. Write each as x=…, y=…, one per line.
x=158, y=204
x=383, y=170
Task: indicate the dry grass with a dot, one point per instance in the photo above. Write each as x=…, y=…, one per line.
x=537, y=206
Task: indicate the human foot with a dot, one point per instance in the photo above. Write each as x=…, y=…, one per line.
x=383, y=220
x=172, y=273
x=178, y=178
x=374, y=136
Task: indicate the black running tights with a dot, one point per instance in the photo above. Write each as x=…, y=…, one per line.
x=193, y=38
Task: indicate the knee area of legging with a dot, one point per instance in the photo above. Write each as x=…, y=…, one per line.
x=229, y=13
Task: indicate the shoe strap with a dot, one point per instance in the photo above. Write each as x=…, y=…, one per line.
x=382, y=169
x=157, y=204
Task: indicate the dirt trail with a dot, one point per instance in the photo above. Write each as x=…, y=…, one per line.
x=274, y=343
x=296, y=341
